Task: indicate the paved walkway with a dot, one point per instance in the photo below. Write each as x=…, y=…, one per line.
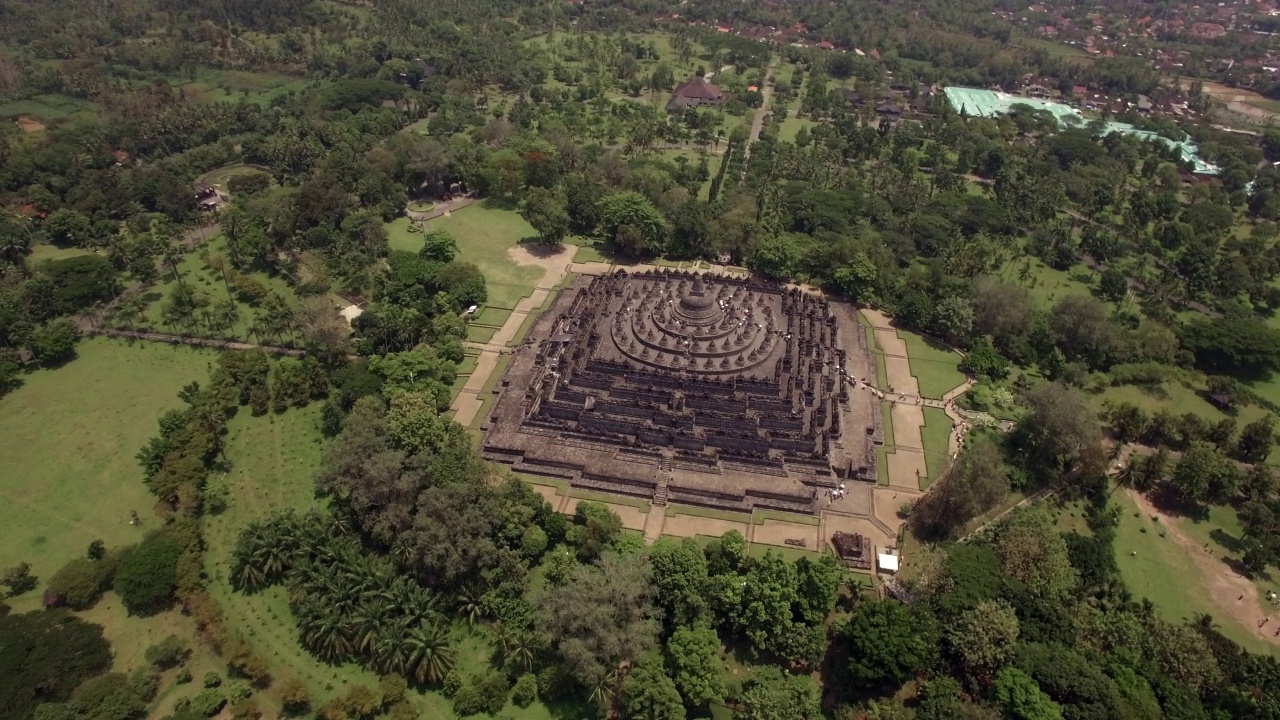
x=468, y=403
x=906, y=464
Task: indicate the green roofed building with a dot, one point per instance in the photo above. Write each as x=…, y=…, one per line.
x=976, y=102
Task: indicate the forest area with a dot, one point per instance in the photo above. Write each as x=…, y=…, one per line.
x=301, y=530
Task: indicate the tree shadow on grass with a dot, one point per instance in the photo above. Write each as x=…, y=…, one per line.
x=539, y=249
x=1240, y=569
x=1167, y=501
x=1224, y=539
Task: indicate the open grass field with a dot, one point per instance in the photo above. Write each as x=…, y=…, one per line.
x=791, y=126
x=480, y=333
x=210, y=85
x=1161, y=572
x=1048, y=285
x=218, y=177
x=68, y=465
x=484, y=235
x=46, y=108
x=935, y=433
x=935, y=367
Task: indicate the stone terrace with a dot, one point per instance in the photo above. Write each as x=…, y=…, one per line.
x=702, y=389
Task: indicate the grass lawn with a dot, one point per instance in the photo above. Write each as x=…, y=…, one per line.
x=70, y=476
x=1180, y=399
x=275, y=459
x=1161, y=572
x=218, y=177
x=45, y=251
x=1221, y=530
x=935, y=367
x=480, y=333
x=210, y=85
x=935, y=433
x=762, y=515
x=484, y=236
x=47, y=107
x=1048, y=285
x=694, y=511
x=791, y=126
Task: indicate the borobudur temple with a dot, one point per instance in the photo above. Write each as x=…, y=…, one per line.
x=699, y=389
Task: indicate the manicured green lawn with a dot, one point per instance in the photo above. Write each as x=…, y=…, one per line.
x=936, y=368
x=1161, y=572
x=936, y=431
x=494, y=316
x=484, y=236
x=480, y=333
x=70, y=436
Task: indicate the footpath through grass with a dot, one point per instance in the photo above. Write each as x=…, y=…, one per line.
x=70, y=436
x=1157, y=568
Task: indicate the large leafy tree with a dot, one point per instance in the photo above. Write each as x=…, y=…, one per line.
x=602, y=617
x=44, y=656
x=696, y=666
x=1032, y=551
x=648, y=694
x=772, y=694
x=983, y=640
x=632, y=223
x=680, y=578
x=768, y=593
x=888, y=643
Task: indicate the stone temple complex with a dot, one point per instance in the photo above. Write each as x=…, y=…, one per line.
x=698, y=389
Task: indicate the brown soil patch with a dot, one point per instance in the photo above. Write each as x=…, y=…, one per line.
x=30, y=124
x=1224, y=583
x=777, y=532
x=693, y=525
x=554, y=262
x=632, y=517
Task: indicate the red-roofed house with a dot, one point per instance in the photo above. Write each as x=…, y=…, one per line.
x=826, y=45
x=1047, y=31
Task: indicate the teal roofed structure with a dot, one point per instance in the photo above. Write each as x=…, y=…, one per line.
x=977, y=102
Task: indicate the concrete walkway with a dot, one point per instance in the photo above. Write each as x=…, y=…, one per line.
x=468, y=403
x=906, y=464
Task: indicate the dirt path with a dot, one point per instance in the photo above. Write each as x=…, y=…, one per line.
x=1223, y=582
x=555, y=265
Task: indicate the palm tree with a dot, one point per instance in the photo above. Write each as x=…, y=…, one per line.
x=520, y=650
x=393, y=648
x=430, y=656
x=468, y=604
x=324, y=632
x=368, y=625
x=602, y=691
x=1128, y=474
